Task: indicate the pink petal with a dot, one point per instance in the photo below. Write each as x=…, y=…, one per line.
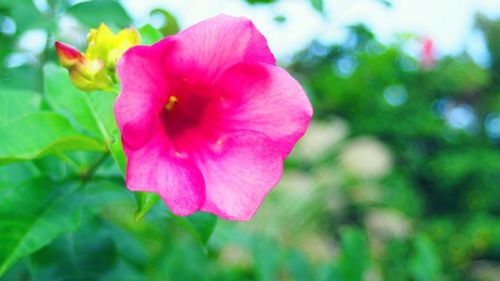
x=265, y=98
x=204, y=51
x=143, y=95
x=68, y=55
x=239, y=171
x=157, y=168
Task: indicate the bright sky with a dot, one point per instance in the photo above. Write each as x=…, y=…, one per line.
x=448, y=22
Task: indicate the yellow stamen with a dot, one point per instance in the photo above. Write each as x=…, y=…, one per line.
x=171, y=102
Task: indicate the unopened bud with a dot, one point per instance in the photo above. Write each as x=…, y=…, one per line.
x=95, y=70
x=68, y=56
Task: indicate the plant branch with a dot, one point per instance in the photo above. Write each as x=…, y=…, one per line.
x=87, y=175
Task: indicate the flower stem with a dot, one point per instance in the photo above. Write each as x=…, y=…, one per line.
x=87, y=175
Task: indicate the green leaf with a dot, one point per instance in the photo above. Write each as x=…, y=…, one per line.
x=266, y=254
x=170, y=25
x=26, y=77
x=298, y=266
x=37, y=134
x=424, y=263
x=92, y=112
x=17, y=102
x=27, y=16
x=204, y=224
x=116, y=149
x=355, y=256
x=33, y=214
x=92, y=13
x=16, y=173
x=74, y=256
x=200, y=225
x=149, y=35
x=54, y=167
x=101, y=105
x=145, y=201
x=318, y=5
x=104, y=192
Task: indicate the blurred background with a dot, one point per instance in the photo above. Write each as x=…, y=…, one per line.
x=397, y=178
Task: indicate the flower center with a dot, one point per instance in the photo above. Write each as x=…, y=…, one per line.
x=190, y=120
x=172, y=100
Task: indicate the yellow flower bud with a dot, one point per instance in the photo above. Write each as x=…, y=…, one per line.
x=125, y=39
x=104, y=45
x=95, y=70
x=68, y=56
x=99, y=42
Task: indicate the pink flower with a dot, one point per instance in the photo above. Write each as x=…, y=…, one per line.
x=428, y=57
x=207, y=118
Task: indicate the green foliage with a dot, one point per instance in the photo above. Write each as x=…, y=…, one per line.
x=169, y=22
x=22, y=77
x=437, y=178
x=49, y=144
x=491, y=30
x=355, y=255
x=26, y=16
x=149, y=34
x=92, y=112
x=33, y=214
x=458, y=76
x=424, y=264
x=318, y=5
x=266, y=256
x=145, y=201
x=92, y=13
x=199, y=225
x=49, y=133
x=17, y=102
x=78, y=257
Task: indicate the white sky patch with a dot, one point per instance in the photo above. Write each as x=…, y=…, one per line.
x=33, y=40
x=449, y=23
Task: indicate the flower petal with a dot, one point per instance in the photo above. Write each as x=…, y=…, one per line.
x=265, y=98
x=99, y=41
x=144, y=93
x=157, y=168
x=239, y=171
x=204, y=51
x=68, y=55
